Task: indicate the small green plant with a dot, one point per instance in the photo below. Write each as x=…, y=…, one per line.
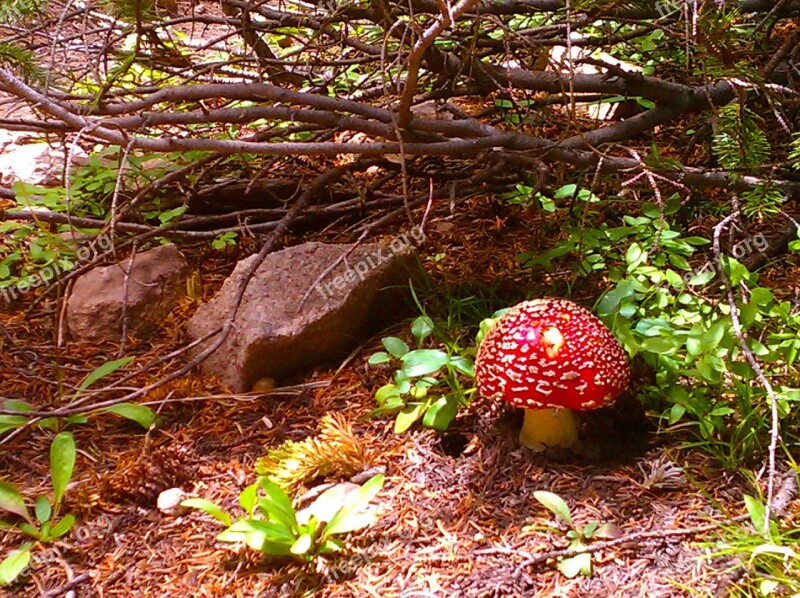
x=673, y=316
x=600, y=249
x=427, y=384
x=524, y=195
x=581, y=563
x=224, y=241
x=688, y=340
x=141, y=414
x=273, y=526
x=44, y=525
x=770, y=556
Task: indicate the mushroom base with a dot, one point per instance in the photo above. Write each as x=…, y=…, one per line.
x=551, y=427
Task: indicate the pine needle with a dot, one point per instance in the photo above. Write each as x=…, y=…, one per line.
x=334, y=452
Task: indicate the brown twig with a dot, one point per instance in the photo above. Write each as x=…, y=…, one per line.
x=633, y=538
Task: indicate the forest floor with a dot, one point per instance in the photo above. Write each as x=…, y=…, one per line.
x=457, y=517
x=457, y=514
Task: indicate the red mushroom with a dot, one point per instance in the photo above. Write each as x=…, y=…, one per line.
x=551, y=357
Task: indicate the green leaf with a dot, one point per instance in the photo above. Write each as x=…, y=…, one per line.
x=555, y=504
x=758, y=348
x=424, y=361
x=331, y=545
x=548, y=205
x=168, y=215
x=545, y=259
x=761, y=296
x=31, y=530
x=279, y=505
x=580, y=564
x=701, y=278
x=463, y=365
x=395, y=346
x=611, y=301
x=14, y=564
x=104, y=370
x=736, y=271
x=674, y=279
x=141, y=414
x=42, y=509
x=565, y=191
x=439, y=415
x=651, y=210
x=634, y=254
x=62, y=527
x=712, y=337
x=62, y=463
x=271, y=532
x=11, y=500
x=378, y=358
x=696, y=241
x=679, y=261
x=302, y=545
x=756, y=511
x=658, y=344
x=675, y=413
x=589, y=529
x=266, y=537
x=386, y=392
x=351, y=518
x=248, y=498
x=10, y=422
x=209, y=508
x=422, y=327
x=721, y=411
x=15, y=405
x=408, y=416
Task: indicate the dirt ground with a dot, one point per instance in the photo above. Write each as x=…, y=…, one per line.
x=457, y=517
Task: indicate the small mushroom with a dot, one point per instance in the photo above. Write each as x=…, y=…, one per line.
x=264, y=385
x=551, y=357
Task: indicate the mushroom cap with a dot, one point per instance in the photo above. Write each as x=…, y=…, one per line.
x=551, y=353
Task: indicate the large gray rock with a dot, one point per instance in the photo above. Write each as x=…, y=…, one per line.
x=275, y=333
x=156, y=284
x=35, y=163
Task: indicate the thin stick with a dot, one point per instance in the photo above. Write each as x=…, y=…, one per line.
x=773, y=401
x=629, y=539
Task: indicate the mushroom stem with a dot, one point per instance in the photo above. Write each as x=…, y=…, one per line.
x=550, y=427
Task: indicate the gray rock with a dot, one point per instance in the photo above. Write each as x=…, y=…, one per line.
x=157, y=282
x=35, y=163
x=275, y=334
